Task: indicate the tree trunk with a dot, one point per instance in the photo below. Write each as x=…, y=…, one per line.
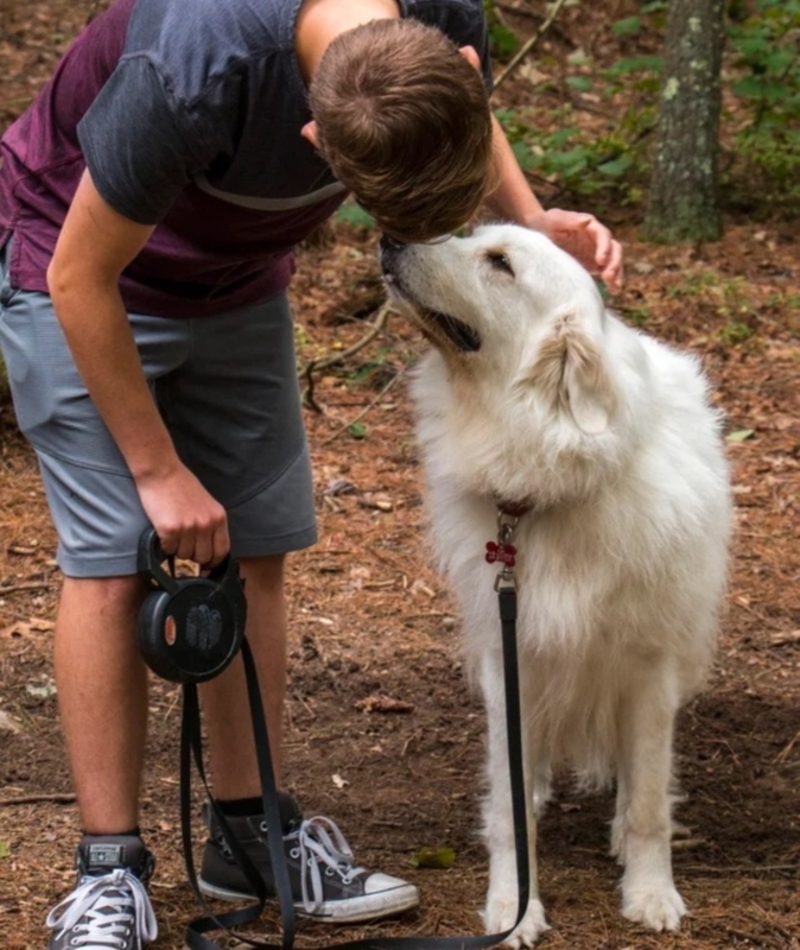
x=683, y=188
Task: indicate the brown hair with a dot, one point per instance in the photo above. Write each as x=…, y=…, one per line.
x=403, y=120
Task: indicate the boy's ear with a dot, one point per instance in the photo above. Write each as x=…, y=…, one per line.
x=309, y=132
x=471, y=56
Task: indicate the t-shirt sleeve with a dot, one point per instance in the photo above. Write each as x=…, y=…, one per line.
x=465, y=23
x=143, y=146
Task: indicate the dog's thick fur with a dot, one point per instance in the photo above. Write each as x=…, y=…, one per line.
x=535, y=394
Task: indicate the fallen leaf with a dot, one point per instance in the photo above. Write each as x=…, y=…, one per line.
x=338, y=781
x=440, y=858
x=8, y=724
x=45, y=691
x=782, y=639
x=24, y=628
x=741, y=435
x=340, y=486
x=377, y=502
x=383, y=704
x=420, y=587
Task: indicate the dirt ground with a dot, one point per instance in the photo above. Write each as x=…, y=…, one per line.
x=382, y=732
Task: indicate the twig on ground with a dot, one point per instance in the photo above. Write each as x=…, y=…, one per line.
x=517, y=11
x=529, y=44
x=313, y=365
x=746, y=935
x=365, y=410
x=784, y=755
x=19, y=587
x=58, y=798
x=532, y=15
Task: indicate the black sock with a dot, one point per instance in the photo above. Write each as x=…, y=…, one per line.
x=251, y=807
x=133, y=833
x=240, y=807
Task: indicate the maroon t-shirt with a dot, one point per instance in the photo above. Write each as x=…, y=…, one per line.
x=188, y=116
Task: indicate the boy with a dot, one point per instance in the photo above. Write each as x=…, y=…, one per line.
x=149, y=203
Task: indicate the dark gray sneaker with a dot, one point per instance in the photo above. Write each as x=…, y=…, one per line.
x=109, y=907
x=326, y=884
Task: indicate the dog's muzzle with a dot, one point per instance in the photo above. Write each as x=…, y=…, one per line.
x=434, y=323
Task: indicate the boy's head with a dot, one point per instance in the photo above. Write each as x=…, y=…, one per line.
x=403, y=120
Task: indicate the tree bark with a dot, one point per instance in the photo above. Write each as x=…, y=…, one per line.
x=683, y=200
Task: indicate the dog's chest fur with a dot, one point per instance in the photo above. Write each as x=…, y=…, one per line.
x=620, y=559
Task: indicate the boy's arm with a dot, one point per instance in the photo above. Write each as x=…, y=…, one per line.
x=95, y=245
x=582, y=235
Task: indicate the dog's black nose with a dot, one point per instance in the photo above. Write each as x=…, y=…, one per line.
x=390, y=254
x=389, y=243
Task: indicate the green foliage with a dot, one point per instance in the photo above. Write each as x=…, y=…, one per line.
x=762, y=80
x=631, y=24
x=439, y=858
x=736, y=332
x=610, y=164
x=503, y=43
x=766, y=83
x=583, y=162
x=741, y=435
x=354, y=215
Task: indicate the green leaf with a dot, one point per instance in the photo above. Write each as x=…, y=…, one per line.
x=581, y=83
x=358, y=430
x=631, y=24
x=440, y=858
x=617, y=166
x=356, y=216
x=741, y=435
x=526, y=159
x=5, y=850
x=636, y=64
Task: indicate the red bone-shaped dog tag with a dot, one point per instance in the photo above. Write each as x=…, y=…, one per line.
x=500, y=553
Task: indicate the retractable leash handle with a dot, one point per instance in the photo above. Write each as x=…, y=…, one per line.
x=189, y=628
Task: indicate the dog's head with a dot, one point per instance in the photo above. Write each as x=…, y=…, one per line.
x=507, y=308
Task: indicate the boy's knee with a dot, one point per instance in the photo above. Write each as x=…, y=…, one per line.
x=109, y=594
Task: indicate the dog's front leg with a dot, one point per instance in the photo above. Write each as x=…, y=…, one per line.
x=642, y=826
x=502, y=899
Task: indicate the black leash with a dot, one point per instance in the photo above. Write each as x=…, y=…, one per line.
x=191, y=749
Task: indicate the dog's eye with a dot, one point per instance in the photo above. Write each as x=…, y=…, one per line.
x=500, y=261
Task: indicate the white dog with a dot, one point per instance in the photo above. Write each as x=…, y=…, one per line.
x=538, y=401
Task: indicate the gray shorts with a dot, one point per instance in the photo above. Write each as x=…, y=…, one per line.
x=227, y=389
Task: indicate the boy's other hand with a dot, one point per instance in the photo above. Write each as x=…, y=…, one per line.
x=587, y=240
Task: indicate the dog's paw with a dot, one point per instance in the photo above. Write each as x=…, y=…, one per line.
x=657, y=908
x=500, y=914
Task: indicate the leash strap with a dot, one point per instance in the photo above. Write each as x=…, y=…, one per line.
x=191, y=748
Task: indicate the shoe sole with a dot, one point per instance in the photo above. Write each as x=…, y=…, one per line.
x=358, y=909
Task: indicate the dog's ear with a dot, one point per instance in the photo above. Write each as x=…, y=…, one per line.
x=569, y=370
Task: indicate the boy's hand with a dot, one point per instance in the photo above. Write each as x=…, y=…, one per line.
x=586, y=239
x=190, y=523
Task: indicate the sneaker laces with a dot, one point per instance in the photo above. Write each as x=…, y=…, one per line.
x=321, y=843
x=101, y=910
